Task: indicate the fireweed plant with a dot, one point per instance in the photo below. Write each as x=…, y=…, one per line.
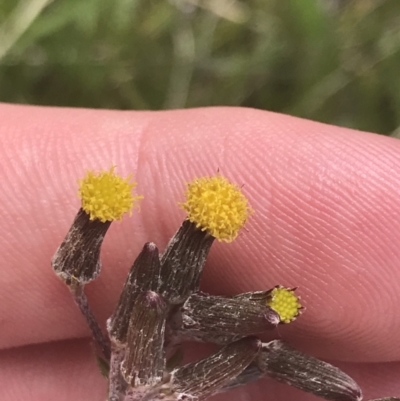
x=161, y=305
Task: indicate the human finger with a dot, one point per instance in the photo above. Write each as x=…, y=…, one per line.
x=66, y=370
x=325, y=201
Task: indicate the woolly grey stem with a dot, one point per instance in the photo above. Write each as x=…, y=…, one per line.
x=116, y=384
x=101, y=340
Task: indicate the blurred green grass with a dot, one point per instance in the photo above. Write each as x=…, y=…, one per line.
x=336, y=61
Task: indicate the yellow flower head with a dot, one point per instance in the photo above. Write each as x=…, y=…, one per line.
x=216, y=205
x=285, y=303
x=106, y=196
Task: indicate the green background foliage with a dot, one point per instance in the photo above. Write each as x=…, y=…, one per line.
x=336, y=61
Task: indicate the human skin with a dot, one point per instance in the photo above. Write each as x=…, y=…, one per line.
x=326, y=219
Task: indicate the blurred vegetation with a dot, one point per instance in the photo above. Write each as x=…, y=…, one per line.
x=336, y=61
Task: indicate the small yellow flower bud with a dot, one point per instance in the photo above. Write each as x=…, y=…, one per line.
x=284, y=302
x=217, y=206
x=106, y=196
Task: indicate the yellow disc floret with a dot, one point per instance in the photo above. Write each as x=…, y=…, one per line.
x=285, y=303
x=216, y=205
x=106, y=196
